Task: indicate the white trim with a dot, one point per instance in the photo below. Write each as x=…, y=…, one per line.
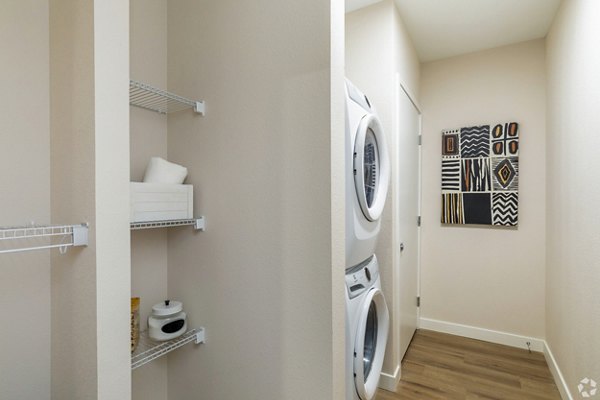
x=559, y=379
x=390, y=382
x=488, y=335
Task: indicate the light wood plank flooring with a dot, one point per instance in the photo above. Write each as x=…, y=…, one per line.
x=438, y=366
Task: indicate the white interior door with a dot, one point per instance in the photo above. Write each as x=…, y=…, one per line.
x=407, y=199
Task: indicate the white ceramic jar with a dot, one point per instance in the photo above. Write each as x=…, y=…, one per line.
x=167, y=320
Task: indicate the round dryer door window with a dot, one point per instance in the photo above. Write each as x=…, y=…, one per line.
x=369, y=348
x=371, y=167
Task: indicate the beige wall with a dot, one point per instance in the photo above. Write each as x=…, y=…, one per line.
x=89, y=182
x=377, y=48
x=74, y=327
x=25, y=183
x=573, y=192
x=148, y=138
x=260, y=279
x=480, y=276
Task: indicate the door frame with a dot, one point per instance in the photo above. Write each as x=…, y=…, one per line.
x=419, y=191
x=400, y=89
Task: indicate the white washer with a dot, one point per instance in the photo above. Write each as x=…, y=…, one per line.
x=367, y=176
x=367, y=324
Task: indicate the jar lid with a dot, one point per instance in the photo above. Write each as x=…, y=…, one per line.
x=167, y=307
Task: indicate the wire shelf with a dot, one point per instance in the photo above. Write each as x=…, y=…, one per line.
x=197, y=223
x=67, y=235
x=163, y=102
x=149, y=350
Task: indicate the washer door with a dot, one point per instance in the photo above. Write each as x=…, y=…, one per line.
x=371, y=167
x=369, y=347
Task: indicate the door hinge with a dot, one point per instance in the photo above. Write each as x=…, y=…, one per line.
x=418, y=301
x=419, y=220
x=420, y=140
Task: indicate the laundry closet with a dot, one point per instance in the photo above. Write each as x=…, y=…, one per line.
x=253, y=266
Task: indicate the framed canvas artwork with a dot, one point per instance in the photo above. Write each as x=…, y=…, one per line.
x=480, y=175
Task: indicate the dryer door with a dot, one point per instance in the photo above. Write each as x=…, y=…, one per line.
x=369, y=348
x=371, y=167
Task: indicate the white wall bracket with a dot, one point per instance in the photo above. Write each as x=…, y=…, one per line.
x=80, y=235
x=200, y=224
x=200, y=108
x=200, y=336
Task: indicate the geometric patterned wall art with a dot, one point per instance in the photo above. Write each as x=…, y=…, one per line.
x=480, y=175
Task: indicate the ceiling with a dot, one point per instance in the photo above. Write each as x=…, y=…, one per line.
x=446, y=28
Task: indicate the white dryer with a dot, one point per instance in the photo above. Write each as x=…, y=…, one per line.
x=367, y=324
x=367, y=176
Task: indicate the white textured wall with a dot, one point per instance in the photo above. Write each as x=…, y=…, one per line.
x=573, y=192
x=113, y=260
x=481, y=276
x=148, y=138
x=260, y=278
x=25, y=183
x=378, y=47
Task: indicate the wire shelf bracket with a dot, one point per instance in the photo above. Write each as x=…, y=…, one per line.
x=150, y=98
x=199, y=224
x=149, y=350
x=67, y=235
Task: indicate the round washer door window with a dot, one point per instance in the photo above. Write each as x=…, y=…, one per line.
x=371, y=167
x=369, y=348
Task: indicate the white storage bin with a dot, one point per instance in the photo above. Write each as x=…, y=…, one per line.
x=160, y=202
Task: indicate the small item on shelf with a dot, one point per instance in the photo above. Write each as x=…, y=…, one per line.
x=160, y=170
x=135, y=322
x=167, y=321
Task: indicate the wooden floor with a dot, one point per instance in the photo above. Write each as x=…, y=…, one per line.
x=440, y=366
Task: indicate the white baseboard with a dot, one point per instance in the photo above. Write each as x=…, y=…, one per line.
x=488, y=335
x=389, y=382
x=559, y=379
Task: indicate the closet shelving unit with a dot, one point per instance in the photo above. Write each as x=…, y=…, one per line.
x=197, y=223
x=150, y=98
x=66, y=235
x=149, y=350
x=153, y=99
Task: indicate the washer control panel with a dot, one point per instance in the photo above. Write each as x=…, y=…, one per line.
x=362, y=277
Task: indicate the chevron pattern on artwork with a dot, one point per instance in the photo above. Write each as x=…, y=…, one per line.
x=475, y=141
x=451, y=175
x=505, y=208
x=475, y=175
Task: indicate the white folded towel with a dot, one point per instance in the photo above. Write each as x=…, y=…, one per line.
x=160, y=170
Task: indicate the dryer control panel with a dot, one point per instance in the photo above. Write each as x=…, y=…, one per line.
x=362, y=277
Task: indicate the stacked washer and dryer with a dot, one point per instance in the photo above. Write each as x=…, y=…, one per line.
x=367, y=180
